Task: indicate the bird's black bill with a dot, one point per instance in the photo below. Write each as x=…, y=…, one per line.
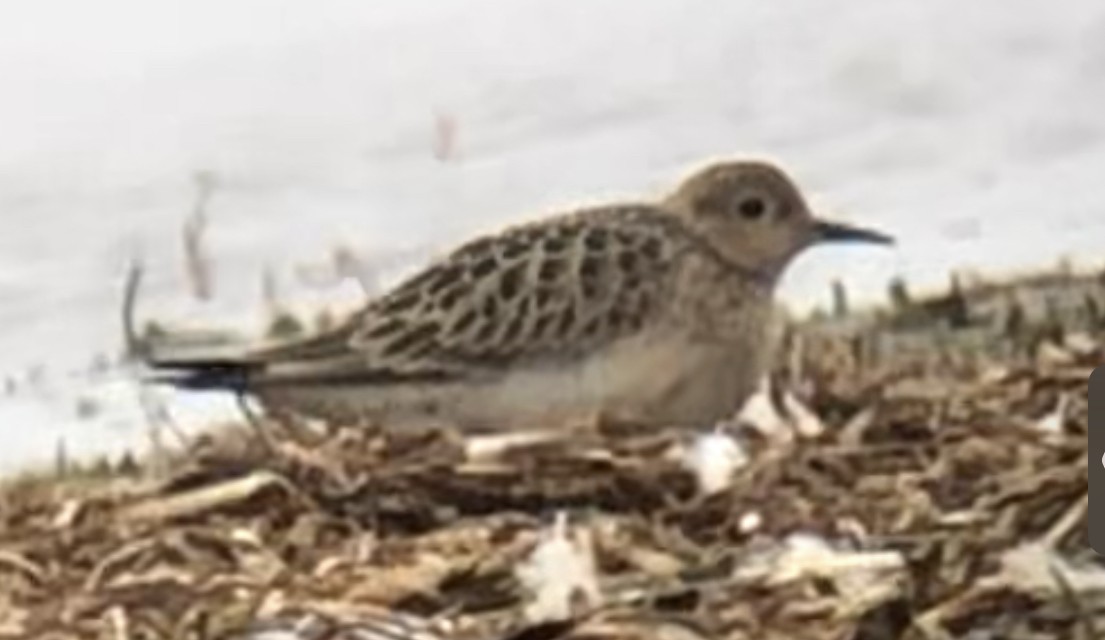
x=840, y=232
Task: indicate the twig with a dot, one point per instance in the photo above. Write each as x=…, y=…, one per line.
x=208, y=498
x=18, y=563
x=197, y=262
x=119, y=623
x=117, y=557
x=1071, y=595
x=135, y=348
x=255, y=423
x=1071, y=517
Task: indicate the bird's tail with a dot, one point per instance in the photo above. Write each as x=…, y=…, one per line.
x=217, y=366
x=226, y=375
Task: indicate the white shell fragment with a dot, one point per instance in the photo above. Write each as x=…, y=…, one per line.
x=1052, y=423
x=713, y=458
x=558, y=571
x=781, y=420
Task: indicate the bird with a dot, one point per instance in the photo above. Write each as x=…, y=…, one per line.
x=656, y=312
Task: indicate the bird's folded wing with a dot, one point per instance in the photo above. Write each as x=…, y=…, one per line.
x=536, y=292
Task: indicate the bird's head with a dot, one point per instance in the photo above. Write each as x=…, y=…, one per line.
x=755, y=216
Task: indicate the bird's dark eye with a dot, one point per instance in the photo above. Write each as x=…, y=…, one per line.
x=752, y=208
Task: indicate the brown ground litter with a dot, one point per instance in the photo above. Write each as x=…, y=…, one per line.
x=934, y=506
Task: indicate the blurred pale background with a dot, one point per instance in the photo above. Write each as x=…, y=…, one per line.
x=971, y=130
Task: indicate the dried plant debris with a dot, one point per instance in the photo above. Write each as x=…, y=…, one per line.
x=937, y=502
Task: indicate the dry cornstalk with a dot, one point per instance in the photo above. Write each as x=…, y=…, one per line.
x=205, y=499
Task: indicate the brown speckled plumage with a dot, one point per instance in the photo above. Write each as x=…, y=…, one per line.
x=658, y=312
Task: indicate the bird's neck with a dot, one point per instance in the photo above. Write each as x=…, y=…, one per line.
x=763, y=276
